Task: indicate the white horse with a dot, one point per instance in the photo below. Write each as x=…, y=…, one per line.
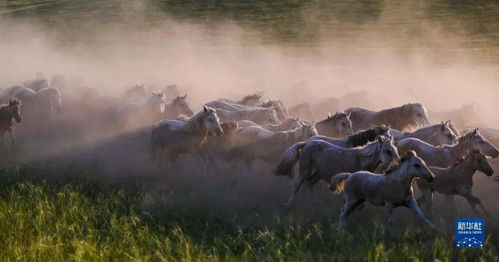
x=390, y=189
x=44, y=102
x=268, y=146
x=401, y=118
x=287, y=124
x=136, y=113
x=257, y=115
x=321, y=160
x=439, y=134
x=174, y=137
x=444, y=156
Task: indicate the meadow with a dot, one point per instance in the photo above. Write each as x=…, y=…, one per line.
x=56, y=216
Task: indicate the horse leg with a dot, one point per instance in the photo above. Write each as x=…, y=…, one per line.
x=347, y=210
x=389, y=216
x=297, y=186
x=413, y=205
x=1, y=137
x=474, y=201
x=427, y=198
x=204, y=165
x=12, y=137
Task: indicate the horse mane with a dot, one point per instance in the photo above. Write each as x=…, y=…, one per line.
x=334, y=117
x=14, y=101
x=465, y=156
x=194, y=122
x=248, y=98
x=392, y=169
x=370, y=149
x=363, y=137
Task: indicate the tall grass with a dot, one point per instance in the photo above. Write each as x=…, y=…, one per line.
x=63, y=218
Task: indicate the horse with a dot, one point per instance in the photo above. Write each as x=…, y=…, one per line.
x=400, y=118
x=456, y=180
x=278, y=106
x=137, y=113
x=355, y=140
x=287, y=124
x=257, y=115
x=45, y=102
x=37, y=84
x=444, y=156
x=439, y=134
x=337, y=125
x=173, y=137
x=135, y=94
x=269, y=148
x=246, y=102
x=179, y=106
x=390, y=189
x=251, y=100
x=322, y=160
x=9, y=112
x=215, y=146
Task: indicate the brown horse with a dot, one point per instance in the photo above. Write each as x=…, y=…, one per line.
x=7, y=113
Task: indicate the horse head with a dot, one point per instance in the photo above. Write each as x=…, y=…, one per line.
x=15, y=109
x=211, y=121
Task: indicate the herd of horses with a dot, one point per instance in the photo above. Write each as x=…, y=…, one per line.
x=373, y=156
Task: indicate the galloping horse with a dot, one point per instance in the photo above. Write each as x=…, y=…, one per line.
x=322, y=160
x=174, y=137
x=390, y=189
x=7, y=114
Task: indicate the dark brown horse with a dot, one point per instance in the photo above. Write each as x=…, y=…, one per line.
x=7, y=114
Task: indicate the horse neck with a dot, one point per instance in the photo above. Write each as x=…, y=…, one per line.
x=5, y=114
x=401, y=176
x=370, y=162
x=457, y=151
x=465, y=169
x=423, y=133
x=195, y=125
x=359, y=139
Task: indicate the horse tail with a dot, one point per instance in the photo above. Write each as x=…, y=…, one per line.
x=337, y=182
x=289, y=159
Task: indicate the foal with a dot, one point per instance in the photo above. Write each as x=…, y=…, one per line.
x=456, y=180
x=390, y=189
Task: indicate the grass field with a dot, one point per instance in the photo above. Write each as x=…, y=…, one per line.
x=48, y=217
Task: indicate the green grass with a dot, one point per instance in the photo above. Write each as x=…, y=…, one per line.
x=56, y=217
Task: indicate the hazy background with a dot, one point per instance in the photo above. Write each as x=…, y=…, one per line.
x=442, y=53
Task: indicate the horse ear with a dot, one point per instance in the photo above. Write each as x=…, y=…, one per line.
x=475, y=131
x=185, y=96
x=205, y=108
